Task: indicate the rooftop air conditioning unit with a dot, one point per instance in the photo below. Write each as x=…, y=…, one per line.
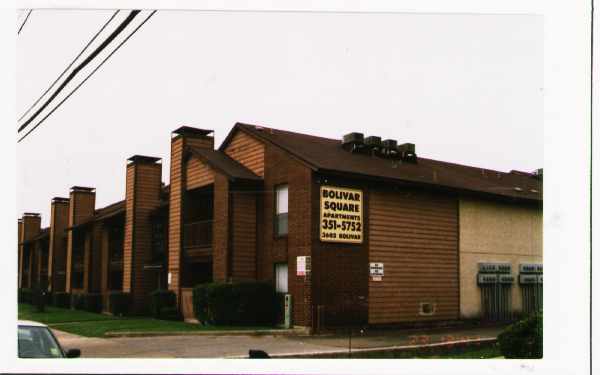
x=373, y=141
x=353, y=141
x=407, y=152
x=390, y=147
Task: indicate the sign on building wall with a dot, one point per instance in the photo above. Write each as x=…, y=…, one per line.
x=302, y=265
x=341, y=215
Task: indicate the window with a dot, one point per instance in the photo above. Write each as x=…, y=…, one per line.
x=281, y=210
x=281, y=277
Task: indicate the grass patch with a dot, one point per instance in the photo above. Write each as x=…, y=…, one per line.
x=98, y=329
x=96, y=325
x=54, y=315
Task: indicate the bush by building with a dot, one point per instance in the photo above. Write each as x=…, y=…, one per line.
x=39, y=298
x=163, y=304
x=92, y=302
x=119, y=303
x=25, y=295
x=78, y=301
x=244, y=303
x=61, y=299
x=523, y=339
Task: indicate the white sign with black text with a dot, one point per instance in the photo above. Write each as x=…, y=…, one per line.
x=376, y=271
x=302, y=265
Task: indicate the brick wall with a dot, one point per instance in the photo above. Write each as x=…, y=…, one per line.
x=221, y=229
x=340, y=270
x=57, y=252
x=142, y=197
x=31, y=225
x=279, y=168
x=82, y=203
x=180, y=138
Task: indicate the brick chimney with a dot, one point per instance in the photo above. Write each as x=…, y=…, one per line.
x=57, y=249
x=82, y=202
x=30, y=226
x=142, y=196
x=180, y=139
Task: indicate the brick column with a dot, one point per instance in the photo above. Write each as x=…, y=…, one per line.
x=82, y=202
x=20, y=250
x=57, y=252
x=31, y=225
x=142, y=196
x=180, y=138
x=221, y=231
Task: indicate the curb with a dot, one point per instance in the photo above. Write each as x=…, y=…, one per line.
x=266, y=332
x=395, y=348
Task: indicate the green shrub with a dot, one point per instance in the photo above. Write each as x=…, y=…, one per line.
x=200, y=302
x=78, y=301
x=119, y=303
x=92, y=302
x=171, y=313
x=245, y=303
x=38, y=299
x=25, y=295
x=62, y=300
x=162, y=302
x=523, y=339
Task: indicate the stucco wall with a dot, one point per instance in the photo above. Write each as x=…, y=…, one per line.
x=495, y=232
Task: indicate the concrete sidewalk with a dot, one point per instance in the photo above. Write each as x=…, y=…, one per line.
x=224, y=346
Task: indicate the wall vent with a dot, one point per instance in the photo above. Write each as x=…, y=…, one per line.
x=426, y=308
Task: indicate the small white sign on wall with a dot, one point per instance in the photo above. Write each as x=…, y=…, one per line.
x=302, y=265
x=376, y=270
x=169, y=278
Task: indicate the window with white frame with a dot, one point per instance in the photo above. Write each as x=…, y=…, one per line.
x=281, y=277
x=281, y=210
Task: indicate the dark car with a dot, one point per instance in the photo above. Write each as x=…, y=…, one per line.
x=36, y=340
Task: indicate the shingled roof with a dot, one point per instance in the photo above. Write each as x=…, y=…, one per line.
x=104, y=213
x=327, y=155
x=224, y=164
x=44, y=232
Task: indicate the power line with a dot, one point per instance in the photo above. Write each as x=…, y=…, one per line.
x=99, y=49
x=86, y=78
x=23, y=24
x=70, y=65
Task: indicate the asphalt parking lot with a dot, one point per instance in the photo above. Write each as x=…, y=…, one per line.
x=205, y=346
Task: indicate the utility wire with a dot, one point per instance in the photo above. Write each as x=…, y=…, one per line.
x=23, y=24
x=95, y=53
x=86, y=78
x=70, y=65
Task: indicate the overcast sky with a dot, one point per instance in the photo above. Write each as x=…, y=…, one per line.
x=463, y=88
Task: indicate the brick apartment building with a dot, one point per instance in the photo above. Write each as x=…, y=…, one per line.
x=356, y=230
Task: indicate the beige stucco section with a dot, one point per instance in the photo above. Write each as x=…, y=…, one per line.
x=495, y=232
